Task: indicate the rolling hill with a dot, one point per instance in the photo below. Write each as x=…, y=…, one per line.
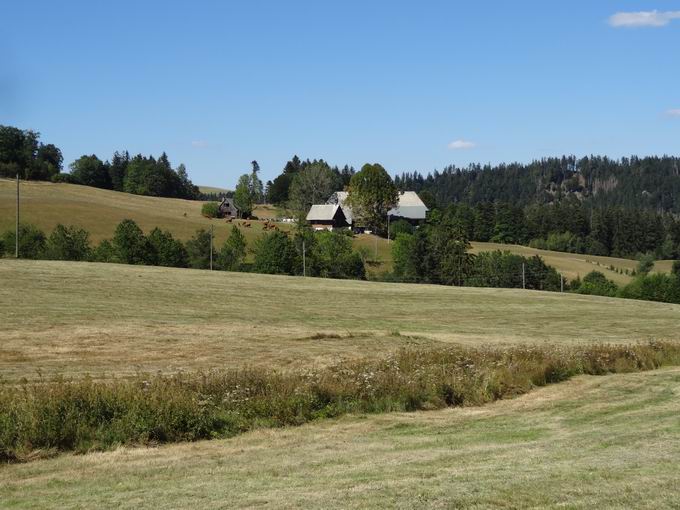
x=99, y=211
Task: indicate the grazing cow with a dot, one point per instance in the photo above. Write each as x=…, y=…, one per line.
x=230, y=220
x=247, y=224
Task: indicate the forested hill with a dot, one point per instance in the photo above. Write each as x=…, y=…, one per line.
x=636, y=183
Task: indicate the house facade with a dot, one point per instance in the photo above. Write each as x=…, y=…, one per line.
x=327, y=217
x=228, y=209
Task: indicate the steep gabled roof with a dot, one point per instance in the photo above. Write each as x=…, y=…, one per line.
x=324, y=212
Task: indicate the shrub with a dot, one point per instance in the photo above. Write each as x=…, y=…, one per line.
x=168, y=251
x=198, y=250
x=646, y=263
x=596, y=284
x=68, y=243
x=32, y=241
x=233, y=251
x=211, y=210
x=656, y=287
x=104, y=252
x=63, y=177
x=130, y=244
x=400, y=227
x=89, y=415
x=275, y=254
x=676, y=268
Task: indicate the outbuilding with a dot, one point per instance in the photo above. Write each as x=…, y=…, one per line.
x=228, y=209
x=326, y=217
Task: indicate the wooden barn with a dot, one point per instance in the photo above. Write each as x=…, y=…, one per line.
x=228, y=209
x=326, y=217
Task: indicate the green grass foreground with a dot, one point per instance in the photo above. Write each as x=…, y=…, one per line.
x=38, y=419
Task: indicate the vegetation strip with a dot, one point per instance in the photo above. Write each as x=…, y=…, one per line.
x=47, y=417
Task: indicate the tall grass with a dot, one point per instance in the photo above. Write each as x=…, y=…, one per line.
x=82, y=415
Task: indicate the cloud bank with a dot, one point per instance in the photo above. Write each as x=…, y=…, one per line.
x=673, y=112
x=643, y=19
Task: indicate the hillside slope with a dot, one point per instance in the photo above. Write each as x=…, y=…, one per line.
x=99, y=211
x=73, y=318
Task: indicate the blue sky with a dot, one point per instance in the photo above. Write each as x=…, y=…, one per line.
x=411, y=85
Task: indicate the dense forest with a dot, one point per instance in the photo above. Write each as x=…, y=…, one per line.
x=651, y=183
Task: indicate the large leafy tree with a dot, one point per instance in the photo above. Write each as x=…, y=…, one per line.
x=371, y=195
x=275, y=253
x=91, y=171
x=131, y=245
x=68, y=243
x=22, y=153
x=243, y=198
x=311, y=185
x=278, y=189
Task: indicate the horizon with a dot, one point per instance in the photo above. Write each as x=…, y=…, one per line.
x=416, y=89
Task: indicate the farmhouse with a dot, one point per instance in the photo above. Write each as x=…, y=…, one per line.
x=409, y=207
x=228, y=209
x=327, y=217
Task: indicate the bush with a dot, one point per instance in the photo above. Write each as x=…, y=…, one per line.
x=104, y=252
x=32, y=242
x=596, y=284
x=198, y=250
x=676, y=268
x=167, y=251
x=656, y=287
x=90, y=415
x=63, y=177
x=68, y=243
x=233, y=251
x=400, y=227
x=275, y=254
x=646, y=263
x=211, y=210
x=130, y=244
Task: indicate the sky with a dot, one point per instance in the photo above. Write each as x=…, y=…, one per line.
x=410, y=85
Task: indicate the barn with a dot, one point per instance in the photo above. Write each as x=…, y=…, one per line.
x=326, y=217
x=228, y=209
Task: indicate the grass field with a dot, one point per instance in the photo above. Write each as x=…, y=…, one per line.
x=99, y=211
x=592, y=442
x=103, y=319
x=212, y=189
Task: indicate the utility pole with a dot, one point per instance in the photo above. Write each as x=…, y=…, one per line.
x=375, y=234
x=16, y=236
x=388, y=228
x=212, y=229
x=524, y=277
x=304, y=261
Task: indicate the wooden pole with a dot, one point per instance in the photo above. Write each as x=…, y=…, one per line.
x=16, y=236
x=212, y=228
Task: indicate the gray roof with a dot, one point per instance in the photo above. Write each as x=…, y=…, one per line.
x=325, y=212
x=409, y=206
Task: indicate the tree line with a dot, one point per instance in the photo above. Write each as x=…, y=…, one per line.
x=650, y=183
x=322, y=254
x=22, y=153
x=571, y=226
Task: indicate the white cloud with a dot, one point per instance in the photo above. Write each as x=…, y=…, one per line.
x=673, y=112
x=461, y=144
x=643, y=18
x=199, y=143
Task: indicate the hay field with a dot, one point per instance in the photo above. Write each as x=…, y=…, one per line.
x=108, y=319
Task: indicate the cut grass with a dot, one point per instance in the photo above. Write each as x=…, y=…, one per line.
x=104, y=319
x=592, y=442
